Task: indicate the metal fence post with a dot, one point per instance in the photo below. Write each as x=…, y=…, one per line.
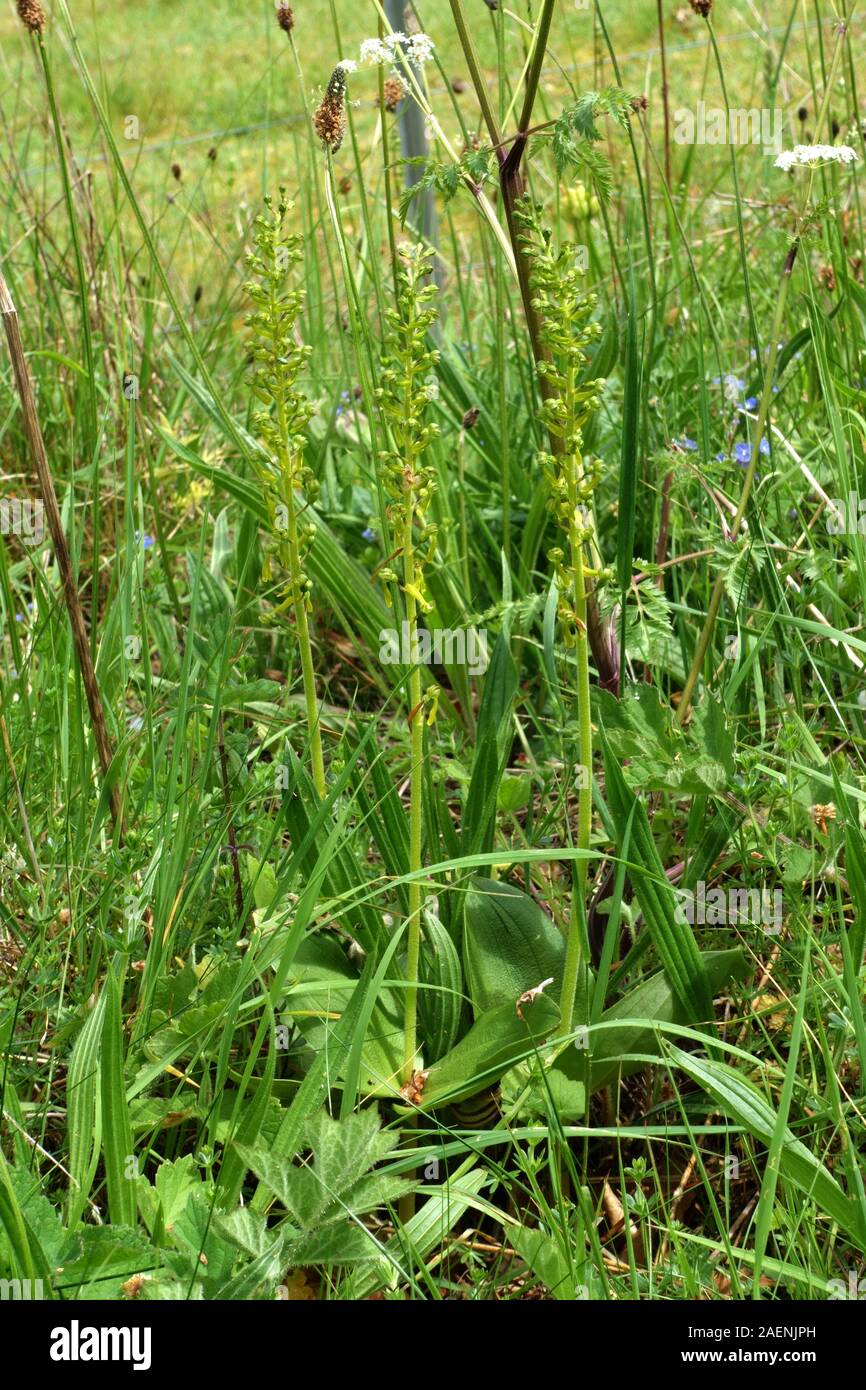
x=413, y=141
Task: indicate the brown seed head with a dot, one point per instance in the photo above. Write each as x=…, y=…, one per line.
x=330, y=118
x=702, y=7
x=286, y=18
x=393, y=93
x=32, y=15
x=330, y=123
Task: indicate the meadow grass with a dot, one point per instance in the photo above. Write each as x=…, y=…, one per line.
x=360, y=970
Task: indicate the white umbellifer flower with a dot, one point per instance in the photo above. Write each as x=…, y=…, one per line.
x=348, y=65
x=810, y=156
x=375, y=52
x=418, y=48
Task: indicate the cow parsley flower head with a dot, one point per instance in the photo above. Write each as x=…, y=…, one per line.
x=418, y=49
x=813, y=156
x=375, y=53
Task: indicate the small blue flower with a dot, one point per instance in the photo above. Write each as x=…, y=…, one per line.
x=751, y=402
x=743, y=452
x=732, y=385
x=369, y=534
x=686, y=443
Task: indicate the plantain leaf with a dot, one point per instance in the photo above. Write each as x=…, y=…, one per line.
x=83, y=1112
x=440, y=1002
x=494, y=1043
x=120, y=1162
x=620, y=1047
x=652, y=999
x=509, y=944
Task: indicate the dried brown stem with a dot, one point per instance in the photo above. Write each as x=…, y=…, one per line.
x=33, y=432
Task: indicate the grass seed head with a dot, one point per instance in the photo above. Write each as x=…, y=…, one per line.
x=286, y=18
x=702, y=7
x=32, y=15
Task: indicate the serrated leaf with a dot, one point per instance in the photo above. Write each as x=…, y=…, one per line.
x=172, y=1188
x=101, y=1254
x=337, y=1178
